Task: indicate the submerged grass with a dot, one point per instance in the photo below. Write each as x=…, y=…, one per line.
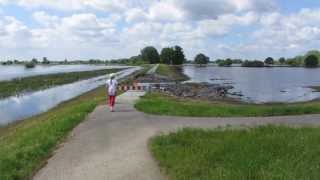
x=155, y=103
x=267, y=152
x=27, y=84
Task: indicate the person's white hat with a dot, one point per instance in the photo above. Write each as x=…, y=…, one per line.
x=112, y=75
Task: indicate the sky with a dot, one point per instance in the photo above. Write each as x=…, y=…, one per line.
x=111, y=29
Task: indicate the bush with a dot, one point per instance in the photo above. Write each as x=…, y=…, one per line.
x=30, y=65
x=225, y=63
x=252, y=64
x=311, y=61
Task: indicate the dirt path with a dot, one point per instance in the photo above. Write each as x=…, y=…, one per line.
x=113, y=146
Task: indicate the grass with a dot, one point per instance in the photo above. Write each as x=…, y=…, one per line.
x=267, y=152
x=174, y=72
x=34, y=83
x=159, y=104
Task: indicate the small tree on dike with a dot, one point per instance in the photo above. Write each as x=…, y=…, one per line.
x=311, y=61
x=150, y=54
x=201, y=59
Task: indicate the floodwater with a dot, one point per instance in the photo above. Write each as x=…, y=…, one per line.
x=17, y=71
x=16, y=108
x=262, y=85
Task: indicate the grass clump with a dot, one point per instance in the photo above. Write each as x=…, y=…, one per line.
x=159, y=104
x=34, y=83
x=260, y=153
x=172, y=71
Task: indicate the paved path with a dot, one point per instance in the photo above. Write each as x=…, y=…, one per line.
x=153, y=69
x=113, y=146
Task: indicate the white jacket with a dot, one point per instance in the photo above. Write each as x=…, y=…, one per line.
x=112, y=85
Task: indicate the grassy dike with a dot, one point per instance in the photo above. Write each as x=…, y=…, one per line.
x=24, y=146
x=160, y=104
x=34, y=83
x=267, y=152
x=174, y=72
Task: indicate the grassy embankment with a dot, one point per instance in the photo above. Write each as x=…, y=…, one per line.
x=267, y=152
x=174, y=72
x=160, y=104
x=24, y=146
x=34, y=83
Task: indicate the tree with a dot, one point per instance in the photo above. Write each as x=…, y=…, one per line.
x=167, y=55
x=311, y=61
x=252, y=63
x=34, y=60
x=45, y=60
x=179, y=57
x=201, y=59
x=226, y=63
x=269, y=60
x=282, y=60
x=150, y=54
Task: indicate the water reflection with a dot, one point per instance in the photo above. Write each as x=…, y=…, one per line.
x=15, y=71
x=261, y=85
x=16, y=108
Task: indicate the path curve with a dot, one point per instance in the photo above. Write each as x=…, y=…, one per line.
x=113, y=146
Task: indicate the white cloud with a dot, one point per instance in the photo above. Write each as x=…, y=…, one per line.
x=120, y=28
x=223, y=24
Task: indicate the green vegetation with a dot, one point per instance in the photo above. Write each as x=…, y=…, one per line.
x=154, y=103
x=225, y=63
x=282, y=60
x=167, y=55
x=252, y=64
x=269, y=61
x=267, y=152
x=201, y=59
x=30, y=65
x=315, y=88
x=25, y=145
x=174, y=72
x=311, y=61
x=27, y=84
x=150, y=54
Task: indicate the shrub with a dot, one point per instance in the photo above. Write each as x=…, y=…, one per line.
x=225, y=63
x=311, y=61
x=252, y=64
x=30, y=65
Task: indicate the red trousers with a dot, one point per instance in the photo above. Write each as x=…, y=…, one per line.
x=112, y=100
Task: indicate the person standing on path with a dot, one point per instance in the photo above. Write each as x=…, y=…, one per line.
x=112, y=86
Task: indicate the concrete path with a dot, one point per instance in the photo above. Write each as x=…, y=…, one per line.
x=153, y=69
x=113, y=146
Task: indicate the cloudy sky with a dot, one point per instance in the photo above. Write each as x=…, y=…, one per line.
x=82, y=29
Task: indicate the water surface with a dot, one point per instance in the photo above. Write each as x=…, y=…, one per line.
x=16, y=71
x=261, y=85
